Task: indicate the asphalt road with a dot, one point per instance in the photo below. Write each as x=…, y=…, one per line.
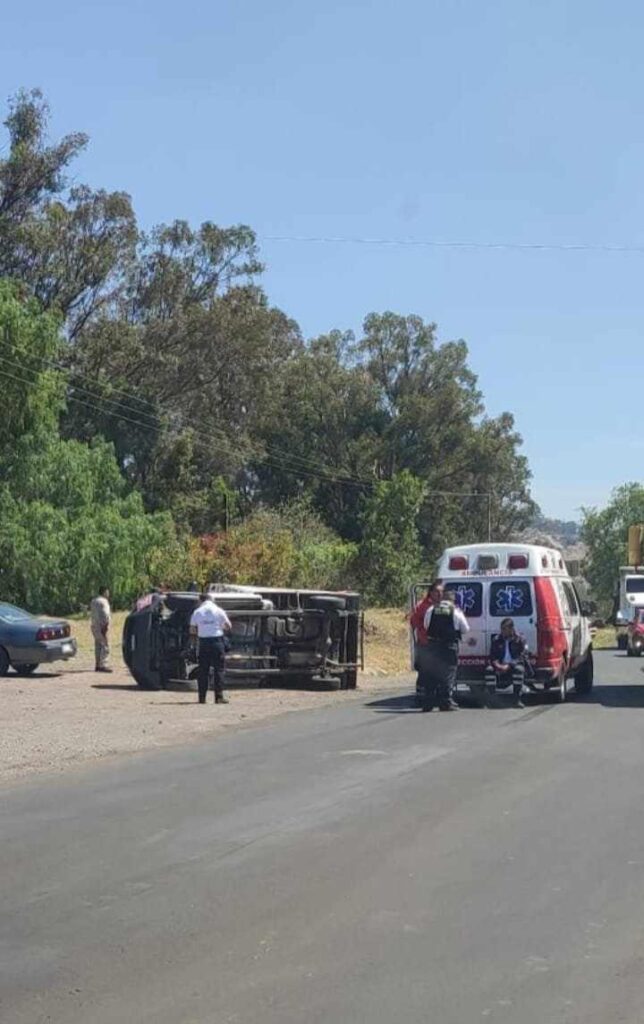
x=359, y=863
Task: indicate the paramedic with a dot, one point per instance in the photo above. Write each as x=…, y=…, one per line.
x=417, y=622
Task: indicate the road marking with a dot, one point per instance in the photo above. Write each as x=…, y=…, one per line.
x=363, y=753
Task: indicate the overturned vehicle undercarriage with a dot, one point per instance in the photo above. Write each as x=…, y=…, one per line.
x=279, y=637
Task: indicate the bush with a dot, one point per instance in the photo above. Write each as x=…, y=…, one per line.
x=287, y=547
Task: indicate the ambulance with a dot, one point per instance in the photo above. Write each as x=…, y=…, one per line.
x=531, y=585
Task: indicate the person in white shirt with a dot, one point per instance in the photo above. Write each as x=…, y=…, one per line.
x=210, y=623
x=444, y=625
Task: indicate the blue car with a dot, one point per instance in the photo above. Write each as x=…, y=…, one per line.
x=27, y=641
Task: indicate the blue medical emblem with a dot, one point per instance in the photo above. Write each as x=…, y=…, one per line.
x=509, y=599
x=467, y=598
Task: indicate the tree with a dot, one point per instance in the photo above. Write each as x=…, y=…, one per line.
x=605, y=534
x=32, y=393
x=68, y=246
x=69, y=521
x=390, y=552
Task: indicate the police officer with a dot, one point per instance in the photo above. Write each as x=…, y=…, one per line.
x=210, y=623
x=444, y=626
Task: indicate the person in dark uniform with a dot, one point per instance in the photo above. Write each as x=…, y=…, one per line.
x=508, y=662
x=210, y=623
x=444, y=626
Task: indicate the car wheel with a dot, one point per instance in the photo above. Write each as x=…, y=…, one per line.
x=25, y=670
x=585, y=676
x=4, y=662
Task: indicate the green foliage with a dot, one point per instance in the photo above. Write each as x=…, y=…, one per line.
x=68, y=520
x=390, y=552
x=605, y=534
x=287, y=547
x=32, y=395
x=216, y=409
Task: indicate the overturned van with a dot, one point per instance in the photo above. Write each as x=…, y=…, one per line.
x=279, y=637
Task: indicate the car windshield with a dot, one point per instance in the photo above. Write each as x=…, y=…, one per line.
x=9, y=613
x=635, y=584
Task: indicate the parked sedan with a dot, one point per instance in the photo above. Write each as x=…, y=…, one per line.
x=27, y=641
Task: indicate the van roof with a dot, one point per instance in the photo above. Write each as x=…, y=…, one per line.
x=501, y=560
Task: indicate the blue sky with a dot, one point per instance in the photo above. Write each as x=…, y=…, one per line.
x=510, y=122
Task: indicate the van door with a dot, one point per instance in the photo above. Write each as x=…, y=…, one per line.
x=512, y=599
x=474, y=649
x=572, y=622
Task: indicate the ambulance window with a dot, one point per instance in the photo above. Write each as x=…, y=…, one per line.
x=469, y=597
x=571, y=600
x=510, y=598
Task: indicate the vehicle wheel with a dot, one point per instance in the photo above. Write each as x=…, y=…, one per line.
x=584, y=677
x=25, y=670
x=4, y=662
x=350, y=679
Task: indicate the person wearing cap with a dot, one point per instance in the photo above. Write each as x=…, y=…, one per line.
x=444, y=625
x=210, y=624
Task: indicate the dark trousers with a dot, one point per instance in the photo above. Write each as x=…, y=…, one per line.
x=212, y=654
x=437, y=668
x=516, y=677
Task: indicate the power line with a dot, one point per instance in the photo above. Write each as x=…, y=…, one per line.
x=279, y=453
x=293, y=472
x=201, y=438
x=431, y=243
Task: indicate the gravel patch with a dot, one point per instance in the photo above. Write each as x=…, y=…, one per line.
x=52, y=722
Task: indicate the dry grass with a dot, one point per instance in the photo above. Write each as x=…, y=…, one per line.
x=83, y=634
x=386, y=641
x=604, y=639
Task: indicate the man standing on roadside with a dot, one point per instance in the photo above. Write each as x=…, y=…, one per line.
x=210, y=622
x=101, y=615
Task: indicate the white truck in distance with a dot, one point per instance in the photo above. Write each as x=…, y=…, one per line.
x=631, y=600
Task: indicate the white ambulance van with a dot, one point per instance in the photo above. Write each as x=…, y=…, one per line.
x=530, y=585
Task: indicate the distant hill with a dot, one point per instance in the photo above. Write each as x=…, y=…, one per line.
x=557, y=533
x=565, y=532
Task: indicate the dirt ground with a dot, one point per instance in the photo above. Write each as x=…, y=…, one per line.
x=58, y=719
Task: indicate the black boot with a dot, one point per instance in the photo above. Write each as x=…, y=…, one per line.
x=221, y=698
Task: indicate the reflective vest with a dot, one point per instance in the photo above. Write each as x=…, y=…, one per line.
x=442, y=629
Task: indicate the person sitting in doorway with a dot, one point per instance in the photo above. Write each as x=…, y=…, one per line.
x=508, y=661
